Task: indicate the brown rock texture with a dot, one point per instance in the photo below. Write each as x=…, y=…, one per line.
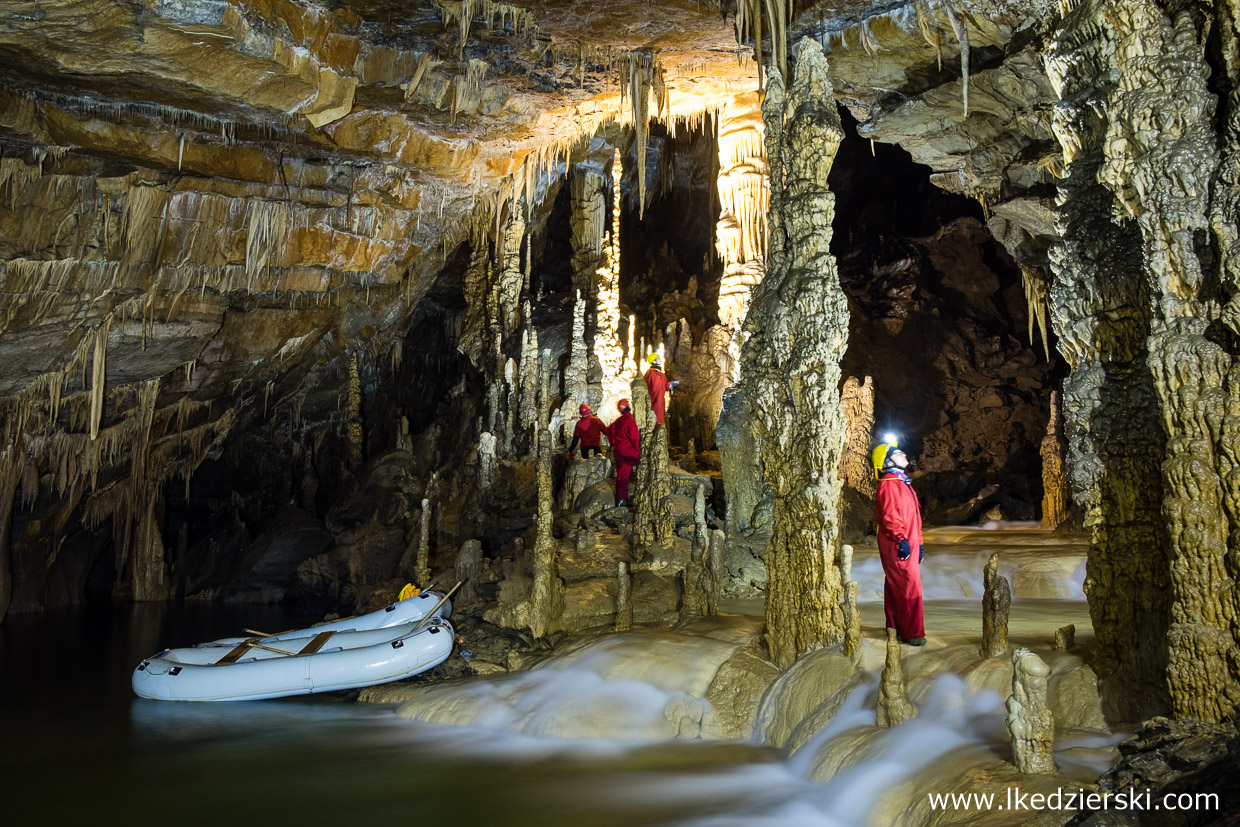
x=996, y=603
x=790, y=365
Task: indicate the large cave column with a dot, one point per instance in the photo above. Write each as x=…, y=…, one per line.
x=790, y=369
x=607, y=334
x=1147, y=406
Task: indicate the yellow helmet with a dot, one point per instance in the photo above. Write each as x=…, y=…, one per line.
x=652, y=358
x=878, y=457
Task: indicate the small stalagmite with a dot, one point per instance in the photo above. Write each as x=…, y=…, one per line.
x=1065, y=637
x=624, y=598
x=422, y=567
x=467, y=568
x=996, y=604
x=354, y=424
x=487, y=463
x=894, y=706
x=1029, y=718
x=852, y=622
x=654, y=522
x=547, y=594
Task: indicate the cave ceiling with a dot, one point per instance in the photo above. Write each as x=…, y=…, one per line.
x=225, y=198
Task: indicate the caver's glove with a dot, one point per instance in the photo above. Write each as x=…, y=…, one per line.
x=921, y=554
x=572, y=454
x=905, y=550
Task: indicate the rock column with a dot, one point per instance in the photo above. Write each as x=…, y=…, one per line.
x=790, y=370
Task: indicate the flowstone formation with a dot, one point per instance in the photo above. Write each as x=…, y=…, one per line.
x=790, y=373
x=1141, y=305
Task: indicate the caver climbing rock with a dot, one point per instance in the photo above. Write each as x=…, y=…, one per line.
x=589, y=429
x=626, y=446
x=900, y=545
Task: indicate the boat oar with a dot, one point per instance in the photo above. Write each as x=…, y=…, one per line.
x=431, y=613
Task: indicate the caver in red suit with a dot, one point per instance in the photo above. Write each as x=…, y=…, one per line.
x=656, y=383
x=625, y=447
x=588, y=431
x=899, y=534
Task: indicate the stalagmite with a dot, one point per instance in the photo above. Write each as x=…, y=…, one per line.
x=467, y=568
x=422, y=566
x=576, y=391
x=714, y=570
x=790, y=366
x=547, y=593
x=1056, y=500
x=846, y=557
x=510, y=421
x=894, y=707
x=607, y=335
x=354, y=422
x=695, y=600
x=510, y=279
x=624, y=598
x=1065, y=637
x=996, y=602
x=852, y=623
x=690, y=461
x=654, y=522
x=486, y=460
x=529, y=378
x=1029, y=719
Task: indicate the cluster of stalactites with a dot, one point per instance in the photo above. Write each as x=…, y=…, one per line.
x=777, y=14
x=744, y=188
x=501, y=15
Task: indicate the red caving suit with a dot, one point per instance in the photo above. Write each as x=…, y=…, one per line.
x=656, y=383
x=588, y=431
x=899, y=518
x=626, y=447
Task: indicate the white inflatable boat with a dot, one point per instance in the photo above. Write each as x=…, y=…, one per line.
x=345, y=654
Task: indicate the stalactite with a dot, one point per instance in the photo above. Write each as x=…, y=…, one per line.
x=744, y=200
x=468, y=88
x=962, y=35
x=1035, y=300
x=644, y=75
x=98, y=376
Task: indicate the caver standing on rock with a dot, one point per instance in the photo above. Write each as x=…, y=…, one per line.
x=900, y=545
x=626, y=447
x=657, y=385
x=589, y=429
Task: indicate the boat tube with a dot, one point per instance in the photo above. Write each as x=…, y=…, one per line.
x=400, y=612
x=322, y=661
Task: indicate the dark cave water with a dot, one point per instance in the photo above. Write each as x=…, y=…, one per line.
x=81, y=748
